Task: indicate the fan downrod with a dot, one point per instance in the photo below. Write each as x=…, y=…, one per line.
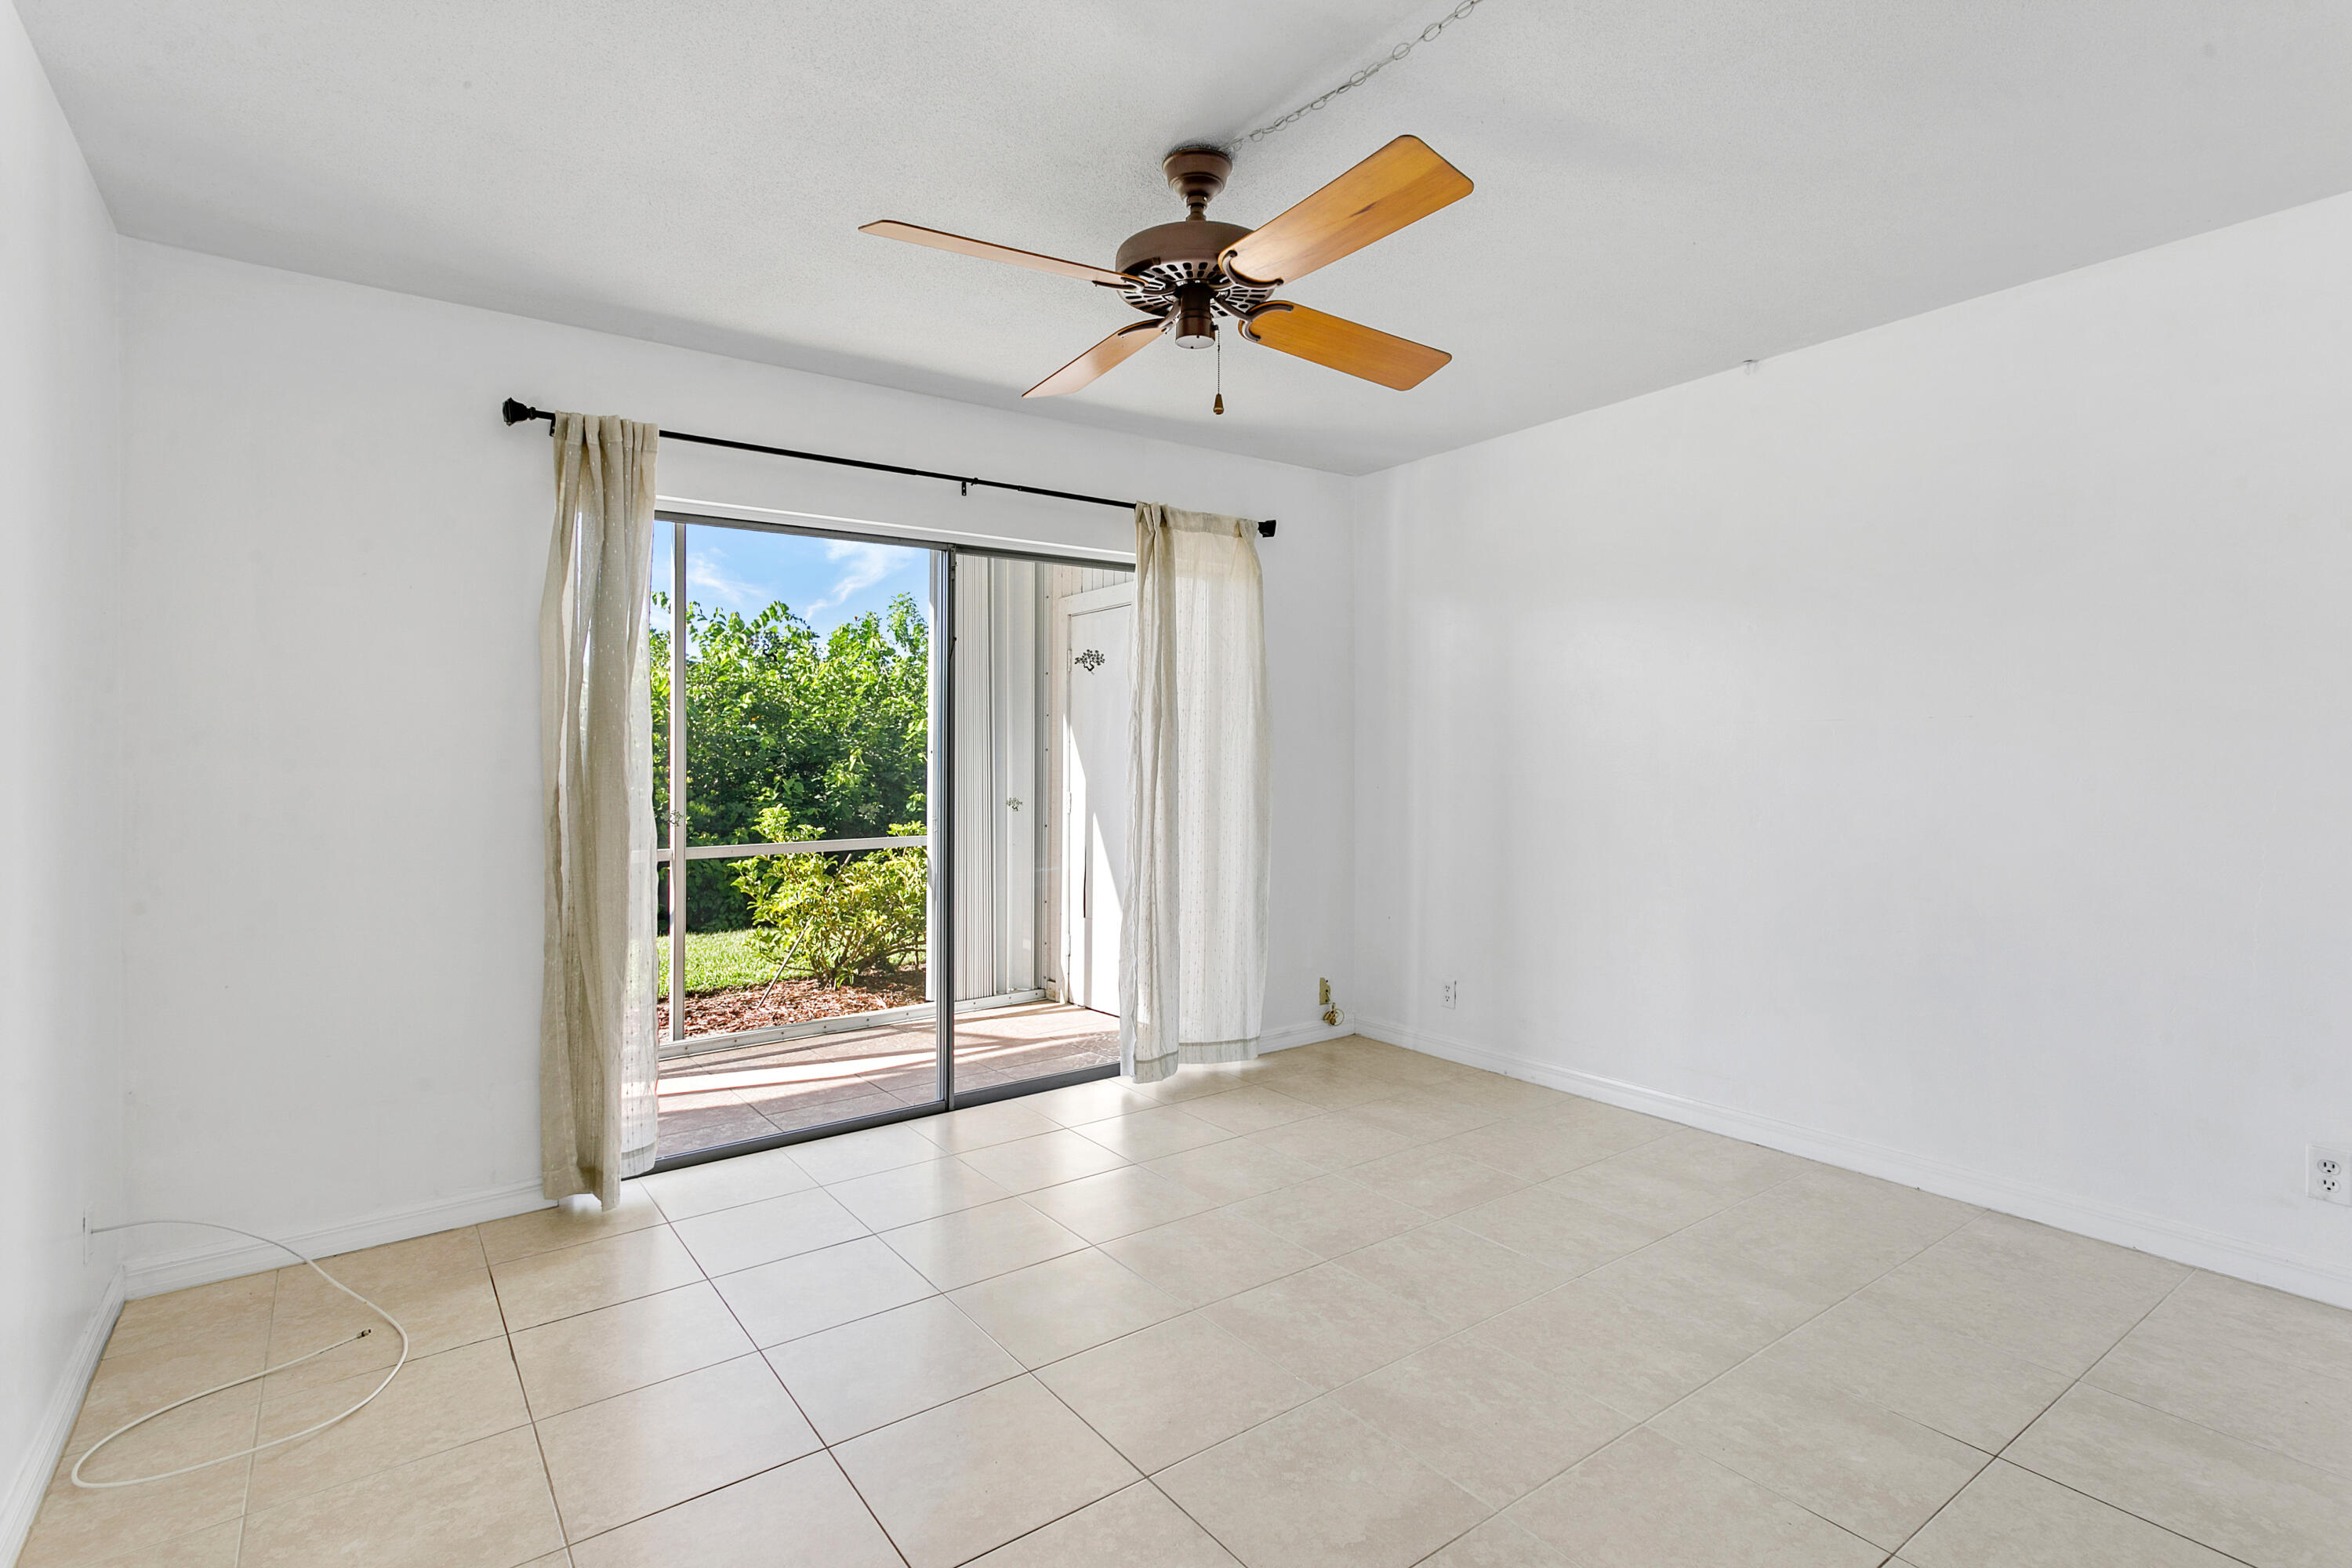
x=1197, y=174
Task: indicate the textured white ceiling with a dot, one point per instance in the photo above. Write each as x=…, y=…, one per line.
x=1664, y=190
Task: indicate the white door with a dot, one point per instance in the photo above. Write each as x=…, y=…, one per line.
x=1099, y=626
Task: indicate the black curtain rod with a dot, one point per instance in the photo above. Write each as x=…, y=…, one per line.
x=517, y=411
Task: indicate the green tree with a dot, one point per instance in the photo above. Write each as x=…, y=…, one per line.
x=835, y=731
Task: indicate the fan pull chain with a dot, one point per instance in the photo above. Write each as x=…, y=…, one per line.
x=1219, y=406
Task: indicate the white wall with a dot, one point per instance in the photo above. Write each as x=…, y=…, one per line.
x=1931, y=752
x=60, y=532
x=336, y=553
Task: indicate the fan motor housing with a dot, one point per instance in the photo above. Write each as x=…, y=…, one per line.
x=1168, y=256
x=1189, y=242
x=1174, y=265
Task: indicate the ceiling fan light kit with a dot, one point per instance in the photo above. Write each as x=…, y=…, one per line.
x=1183, y=275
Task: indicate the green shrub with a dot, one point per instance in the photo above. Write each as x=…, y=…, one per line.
x=833, y=917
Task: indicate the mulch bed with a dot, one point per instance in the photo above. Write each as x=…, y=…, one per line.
x=791, y=1002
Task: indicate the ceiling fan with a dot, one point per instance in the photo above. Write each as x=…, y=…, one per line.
x=1183, y=275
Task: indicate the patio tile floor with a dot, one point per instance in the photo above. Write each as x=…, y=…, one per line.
x=788, y=1085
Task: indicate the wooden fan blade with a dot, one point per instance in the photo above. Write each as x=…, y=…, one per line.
x=1111, y=351
x=939, y=239
x=1343, y=345
x=1402, y=182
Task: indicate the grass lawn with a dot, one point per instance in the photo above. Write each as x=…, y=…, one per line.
x=717, y=959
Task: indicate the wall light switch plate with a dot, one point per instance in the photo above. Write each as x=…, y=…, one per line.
x=2327, y=1173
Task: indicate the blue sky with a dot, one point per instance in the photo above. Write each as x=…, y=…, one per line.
x=825, y=581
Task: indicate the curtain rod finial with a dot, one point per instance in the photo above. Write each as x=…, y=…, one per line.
x=517, y=411
x=1265, y=529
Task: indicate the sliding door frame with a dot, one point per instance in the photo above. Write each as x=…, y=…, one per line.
x=940, y=806
x=940, y=843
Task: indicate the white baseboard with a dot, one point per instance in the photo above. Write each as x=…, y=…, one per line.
x=214, y=1260
x=40, y=1458
x=1306, y=1034
x=2182, y=1243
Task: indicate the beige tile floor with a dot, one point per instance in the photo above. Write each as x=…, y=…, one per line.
x=1344, y=1306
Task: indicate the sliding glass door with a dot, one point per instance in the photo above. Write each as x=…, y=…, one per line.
x=794, y=683
x=865, y=755
x=1039, y=769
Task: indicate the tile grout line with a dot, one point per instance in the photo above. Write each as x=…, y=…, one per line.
x=2001, y=1457
x=824, y=1447
x=2190, y=1420
x=244, y=1503
x=1645, y=1424
x=1815, y=1317
x=538, y=1443
x=245, y=1509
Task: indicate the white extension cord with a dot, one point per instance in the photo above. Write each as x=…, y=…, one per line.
x=265, y=1372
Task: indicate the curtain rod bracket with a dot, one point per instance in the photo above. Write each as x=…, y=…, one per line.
x=515, y=411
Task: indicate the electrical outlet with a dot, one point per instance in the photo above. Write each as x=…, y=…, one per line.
x=1322, y=994
x=2328, y=1175
x=1446, y=993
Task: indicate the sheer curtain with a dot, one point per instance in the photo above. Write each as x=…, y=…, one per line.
x=597, y=1114
x=1192, y=948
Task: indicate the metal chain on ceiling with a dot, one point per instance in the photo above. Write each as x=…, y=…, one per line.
x=1361, y=77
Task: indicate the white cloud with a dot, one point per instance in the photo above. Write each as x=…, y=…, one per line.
x=867, y=565
x=704, y=577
